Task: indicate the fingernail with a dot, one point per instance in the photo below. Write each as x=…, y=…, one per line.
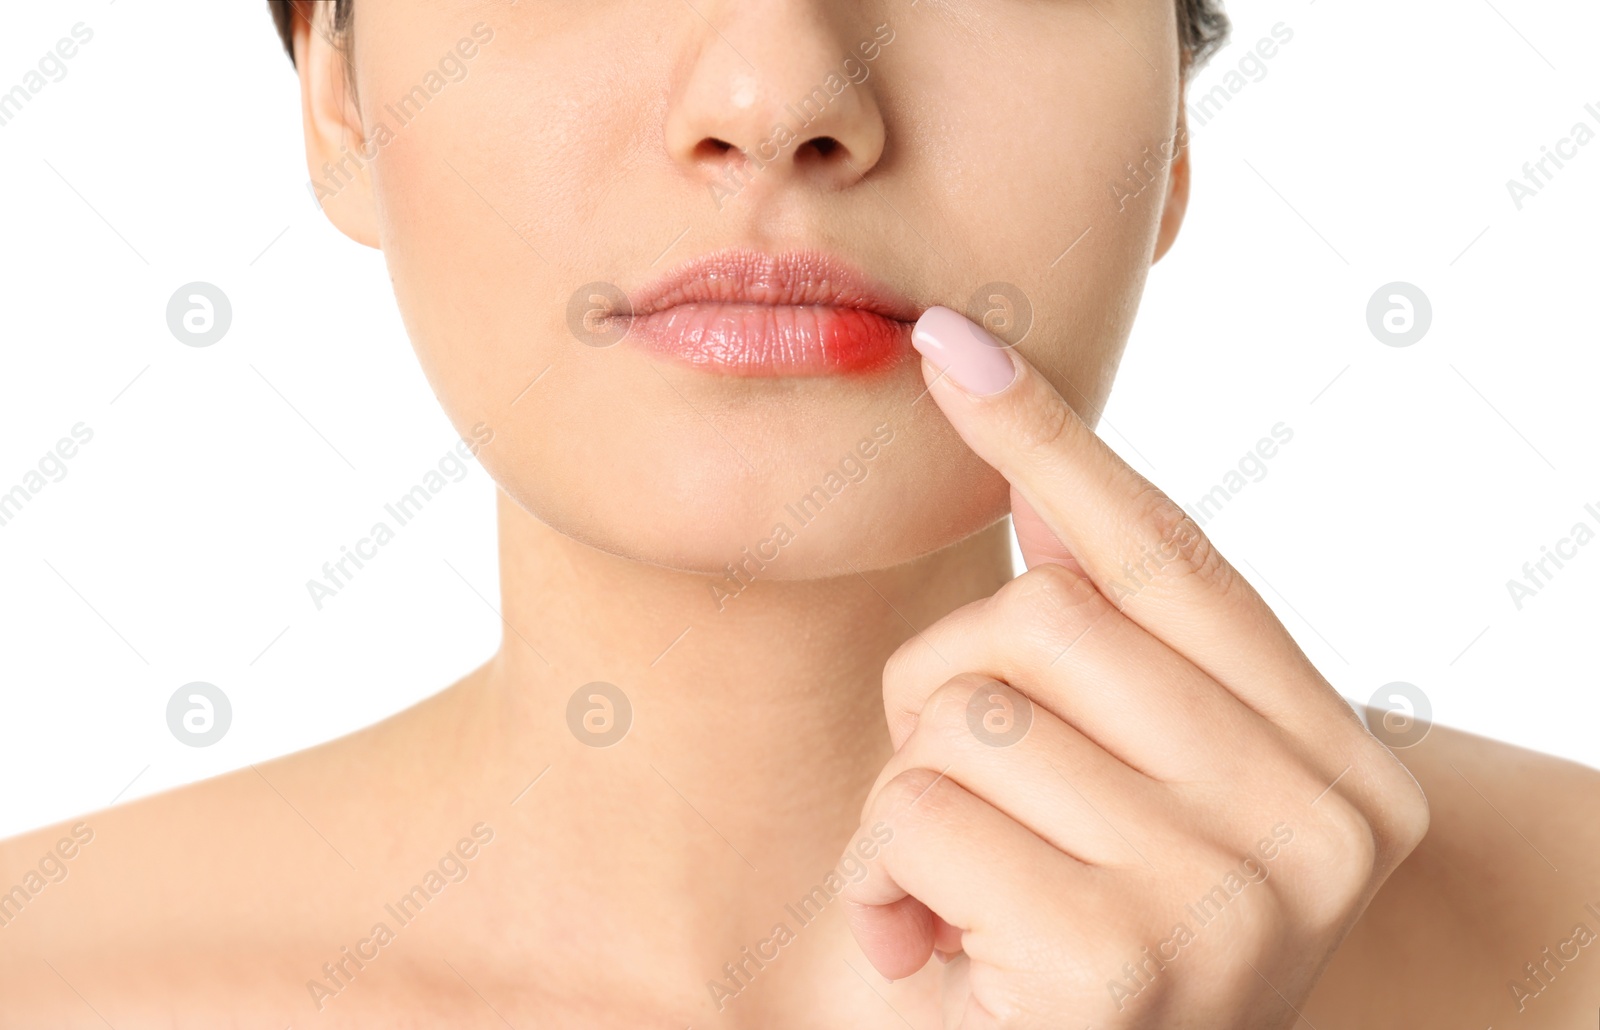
x=971, y=357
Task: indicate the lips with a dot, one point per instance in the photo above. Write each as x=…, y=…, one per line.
x=745, y=313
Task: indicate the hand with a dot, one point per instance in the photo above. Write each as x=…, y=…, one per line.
x=1121, y=795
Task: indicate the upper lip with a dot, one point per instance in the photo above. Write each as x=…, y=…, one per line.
x=796, y=277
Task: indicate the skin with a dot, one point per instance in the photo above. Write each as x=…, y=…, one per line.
x=817, y=703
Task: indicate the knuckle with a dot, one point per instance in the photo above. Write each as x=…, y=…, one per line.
x=1175, y=544
x=1347, y=859
x=915, y=667
x=1412, y=817
x=1044, y=424
x=1052, y=594
x=945, y=715
x=1268, y=911
x=1238, y=888
x=1402, y=812
x=900, y=663
x=913, y=791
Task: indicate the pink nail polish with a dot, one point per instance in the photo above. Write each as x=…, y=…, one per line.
x=976, y=361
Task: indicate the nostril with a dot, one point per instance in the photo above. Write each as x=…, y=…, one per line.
x=712, y=147
x=821, y=146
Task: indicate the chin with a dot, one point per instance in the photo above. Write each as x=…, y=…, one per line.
x=792, y=481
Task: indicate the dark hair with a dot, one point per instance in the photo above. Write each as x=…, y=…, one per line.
x=284, y=12
x=1202, y=25
x=1202, y=30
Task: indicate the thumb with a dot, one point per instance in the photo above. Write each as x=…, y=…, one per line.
x=897, y=938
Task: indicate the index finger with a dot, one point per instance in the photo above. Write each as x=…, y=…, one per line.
x=1138, y=546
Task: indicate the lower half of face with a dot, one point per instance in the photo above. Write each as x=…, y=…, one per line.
x=671, y=262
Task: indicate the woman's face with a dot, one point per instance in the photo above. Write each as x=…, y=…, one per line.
x=1010, y=159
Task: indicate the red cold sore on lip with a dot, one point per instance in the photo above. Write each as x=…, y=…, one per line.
x=773, y=340
x=744, y=313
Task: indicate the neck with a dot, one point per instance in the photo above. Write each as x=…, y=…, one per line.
x=756, y=728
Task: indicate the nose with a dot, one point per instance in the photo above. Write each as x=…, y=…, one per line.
x=772, y=91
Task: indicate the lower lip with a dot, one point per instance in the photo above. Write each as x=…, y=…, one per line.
x=773, y=339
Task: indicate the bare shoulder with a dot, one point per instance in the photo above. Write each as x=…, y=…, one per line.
x=224, y=895
x=1495, y=917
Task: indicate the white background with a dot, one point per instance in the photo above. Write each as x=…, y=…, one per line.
x=1376, y=148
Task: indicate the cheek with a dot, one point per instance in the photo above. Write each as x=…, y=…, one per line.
x=1047, y=167
x=509, y=179
x=491, y=215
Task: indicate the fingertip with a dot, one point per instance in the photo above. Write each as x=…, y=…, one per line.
x=964, y=351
